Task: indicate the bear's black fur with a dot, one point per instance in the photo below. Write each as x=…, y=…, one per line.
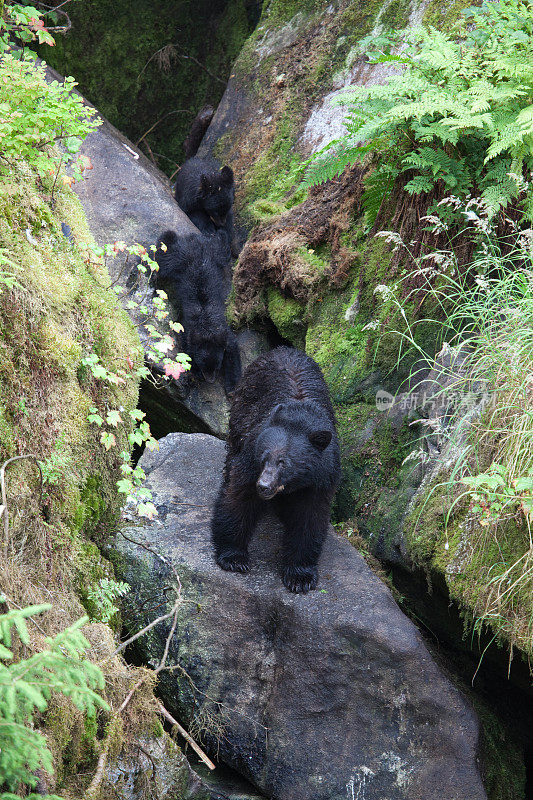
x=206, y=193
x=192, y=269
x=283, y=453
x=185, y=251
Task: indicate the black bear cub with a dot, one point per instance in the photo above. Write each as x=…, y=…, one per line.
x=282, y=454
x=206, y=193
x=192, y=268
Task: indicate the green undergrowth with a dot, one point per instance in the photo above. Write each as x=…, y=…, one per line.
x=59, y=309
x=471, y=522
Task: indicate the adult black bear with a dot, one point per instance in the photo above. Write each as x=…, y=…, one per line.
x=206, y=193
x=190, y=270
x=283, y=453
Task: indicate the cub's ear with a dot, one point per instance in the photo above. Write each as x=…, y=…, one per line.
x=226, y=175
x=275, y=414
x=320, y=439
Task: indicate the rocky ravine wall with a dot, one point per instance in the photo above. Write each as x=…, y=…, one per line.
x=59, y=310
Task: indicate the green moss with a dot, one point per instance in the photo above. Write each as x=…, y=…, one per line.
x=273, y=184
x=287, y=315
x=337, y=345
x=276, y=12
x=356, y=22
x=443, y=16
x=91, y=507
x=396, y=15
x=59, y=311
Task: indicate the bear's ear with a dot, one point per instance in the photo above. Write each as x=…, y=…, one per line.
x=320, y=439
x=275, y=414
x=226, y=175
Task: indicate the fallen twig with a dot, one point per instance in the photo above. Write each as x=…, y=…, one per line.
x=197, y=749
x=140, y=633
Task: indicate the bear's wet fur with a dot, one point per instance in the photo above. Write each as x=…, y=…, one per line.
x=205, y=193
x=282, y=454
x=192, y=269
x=182, y=251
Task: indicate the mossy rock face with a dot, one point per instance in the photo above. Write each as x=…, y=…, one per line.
x=287, y=316
x=59, y=311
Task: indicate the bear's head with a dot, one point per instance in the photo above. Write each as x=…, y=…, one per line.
x=291, y=450
x=207, y=352
x=217, y=190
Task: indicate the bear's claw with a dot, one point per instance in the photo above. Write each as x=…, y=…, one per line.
x=300, y=580
x=234, y=562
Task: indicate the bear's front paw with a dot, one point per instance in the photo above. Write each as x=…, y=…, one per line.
x=300, y=579
x=235, y=561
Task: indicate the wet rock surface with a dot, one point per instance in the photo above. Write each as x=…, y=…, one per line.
x=330, y=695
x=154, y=765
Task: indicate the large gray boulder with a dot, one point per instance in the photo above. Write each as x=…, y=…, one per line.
x=124, y=196
x=329, y=696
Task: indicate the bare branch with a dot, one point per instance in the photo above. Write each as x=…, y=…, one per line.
x=197, y=749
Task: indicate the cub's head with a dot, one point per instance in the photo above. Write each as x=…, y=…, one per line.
x=207, y=353
x=290, y=450
x=217, y=190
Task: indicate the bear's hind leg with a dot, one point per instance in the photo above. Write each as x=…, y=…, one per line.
x=231, y=529
x=305, y=519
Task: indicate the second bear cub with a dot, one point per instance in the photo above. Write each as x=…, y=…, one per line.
x=283, y=453
x=192, y=268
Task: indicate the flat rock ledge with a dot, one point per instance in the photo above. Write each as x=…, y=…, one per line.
x=322, y=696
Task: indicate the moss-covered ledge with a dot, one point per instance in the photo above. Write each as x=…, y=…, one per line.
x=59, y=309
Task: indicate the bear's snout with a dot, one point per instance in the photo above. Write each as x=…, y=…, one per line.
x=268, y=483
x=217, y=220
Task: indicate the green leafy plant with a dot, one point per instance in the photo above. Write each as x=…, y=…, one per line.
x=494, y=496
x=35, y=115
x=24, y=24
x=456, y=118
x=103, y=596
x=159, y=344
x=26, y=687
x=53, y=468
x=485, y=427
